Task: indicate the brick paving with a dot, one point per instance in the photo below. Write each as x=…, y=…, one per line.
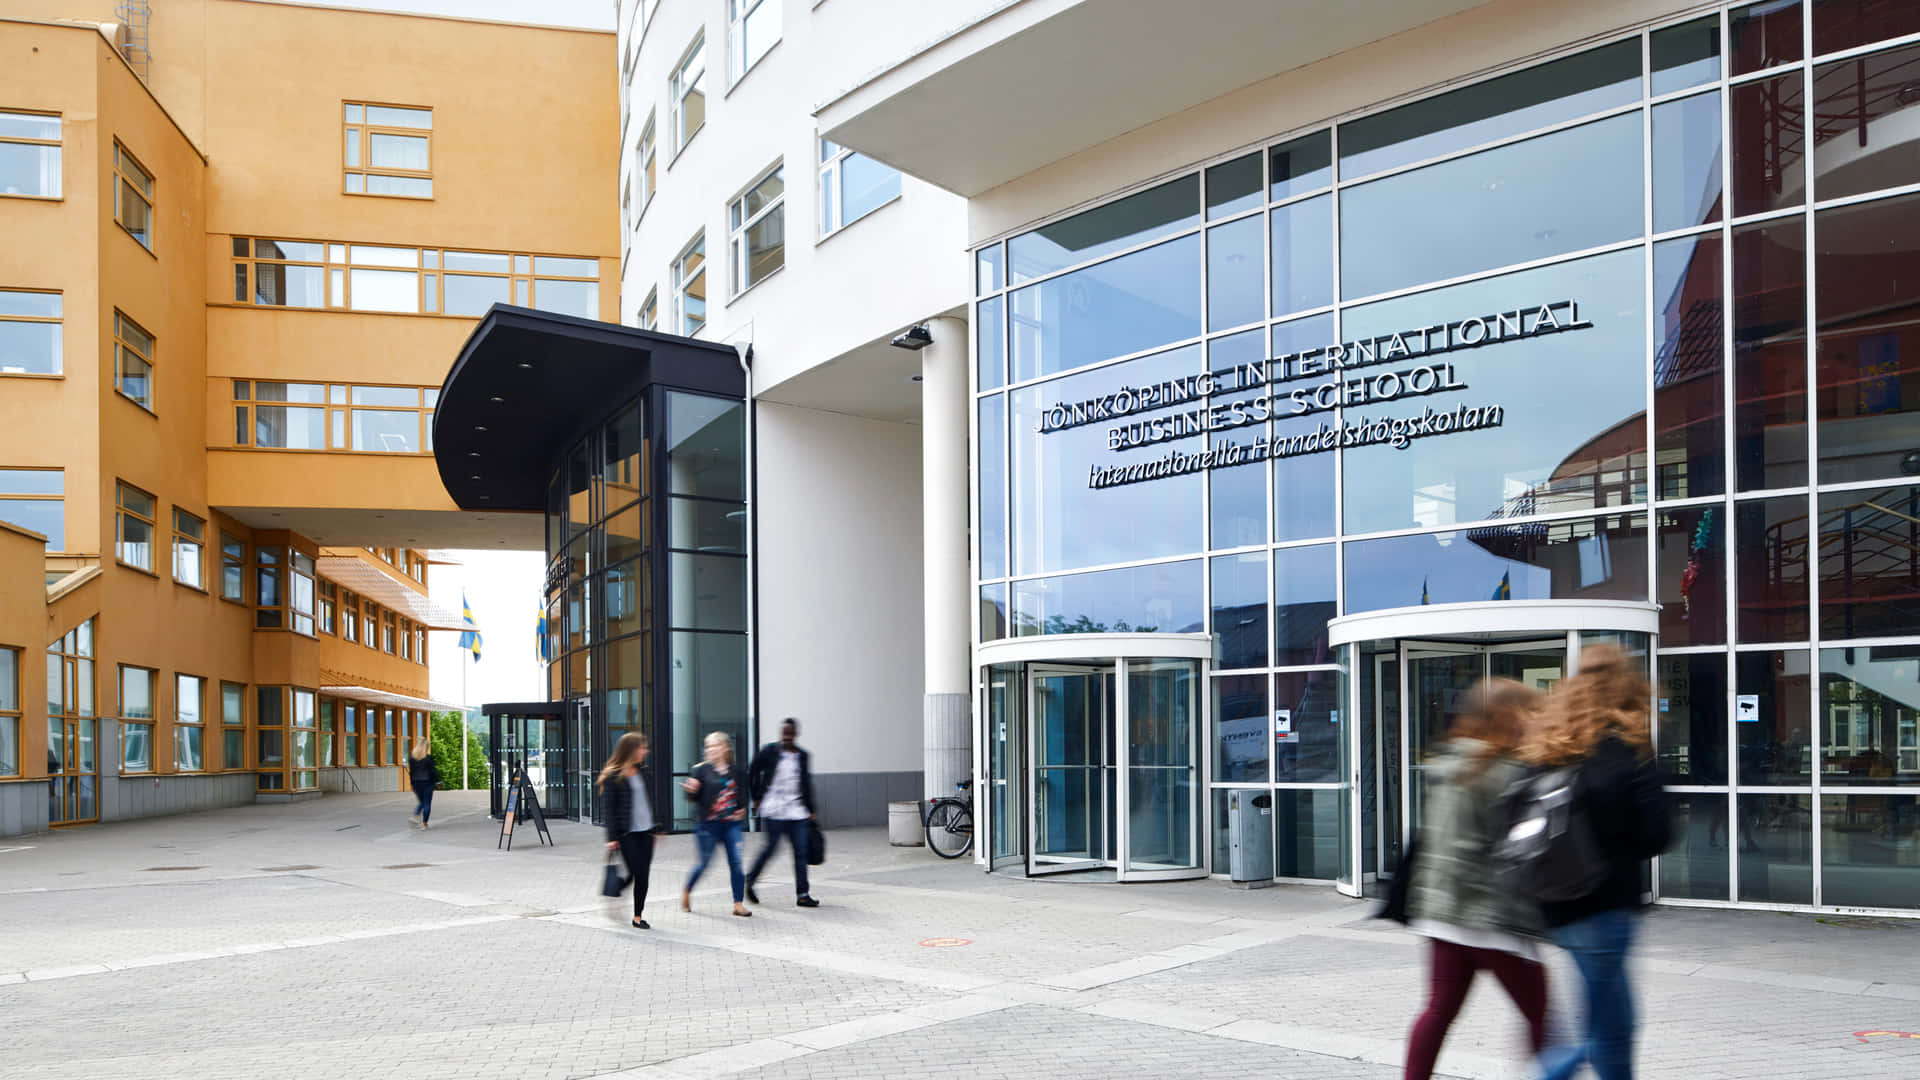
x=326, y=939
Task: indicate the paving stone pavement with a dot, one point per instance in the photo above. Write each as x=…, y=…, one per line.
x=327, y=939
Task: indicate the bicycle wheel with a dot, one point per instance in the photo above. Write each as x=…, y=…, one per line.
x=949, y=828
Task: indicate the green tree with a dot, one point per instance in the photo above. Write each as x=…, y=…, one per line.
x=448, y=729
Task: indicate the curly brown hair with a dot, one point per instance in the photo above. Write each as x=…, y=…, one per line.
x=1498, y=714
x=1609, y=696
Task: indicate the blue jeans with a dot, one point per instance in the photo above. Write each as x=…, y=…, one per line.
x=1599, y=945
x=424, y=798
x=706, y=836
x=799, y=834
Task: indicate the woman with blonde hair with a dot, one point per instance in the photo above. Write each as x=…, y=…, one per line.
x=1596, y=723
x=423, y=776
x=1454, y=899
x=722, y=809
x=628, y=813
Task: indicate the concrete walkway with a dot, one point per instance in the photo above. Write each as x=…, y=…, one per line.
x=329, y=939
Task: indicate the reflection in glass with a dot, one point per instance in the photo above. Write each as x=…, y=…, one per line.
x=1866, y=138
x=1772, y=703
x=1239, y=731
x=707, y=592
x=1778, y=867
x=1235, y=278
x=1601, y=558
x=993, y=486
x=1307, y=833
x=1849, y=24
x=1769, y=355
x=1303, y=483
x=1690, y=563
x=1867, y=266
x=470, y=294
x=1770, y=567
x=706, y=446
x=1870, y=716
x=1869, y=562
x=1870, y=850
x=1527, y=100
x=1303, y=255
x=1571, y=433
x=990, y=270
x=1686, y=55
x=1162, y=597
x=1303, y=600
x=623, y=470
x=1237, y=496
x=1240, y=610
x=990, y=322
x=1307, y=738
x=1694, y=867
x=1686, y=162
x=1301, y=165
x=1505, y=205
x=1688, y=405
x=1122, y=306
x=993, y=612
x=707, y=692
x=1769, y=143
x=1059, y=523
x=387, y=432
x=1690, y=718
x=1120, y=224
x=1233, y=186
x=1763, y=35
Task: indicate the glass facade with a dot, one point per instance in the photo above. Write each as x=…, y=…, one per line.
x=1617, y=326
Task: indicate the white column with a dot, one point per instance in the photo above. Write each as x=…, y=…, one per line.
x=948, y=713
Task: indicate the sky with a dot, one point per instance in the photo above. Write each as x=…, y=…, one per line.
x=593, y=14
x=503, y=588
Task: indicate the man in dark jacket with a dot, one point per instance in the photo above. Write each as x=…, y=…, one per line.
x=781, y=782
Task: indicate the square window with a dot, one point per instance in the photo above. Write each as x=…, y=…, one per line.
x=387, y=150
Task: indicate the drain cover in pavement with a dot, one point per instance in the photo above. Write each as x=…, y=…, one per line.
x=176, y=868
x=283, y=869
x=406, y=866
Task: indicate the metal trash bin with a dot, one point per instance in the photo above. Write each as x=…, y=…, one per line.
x=1250, y=838
x=905, y=827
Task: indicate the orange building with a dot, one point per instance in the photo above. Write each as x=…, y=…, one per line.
x=243, y=241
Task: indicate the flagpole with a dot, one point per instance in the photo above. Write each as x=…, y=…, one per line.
x=463, y=720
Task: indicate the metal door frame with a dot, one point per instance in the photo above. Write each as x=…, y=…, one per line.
x=1123, y=798
x=1033, y=672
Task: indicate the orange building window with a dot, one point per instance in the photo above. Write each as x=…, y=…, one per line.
x=132, y=361
x=133, y=197
x=30, y=155
x=388, y=150
x=394, y=280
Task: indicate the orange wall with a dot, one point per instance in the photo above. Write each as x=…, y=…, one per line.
x=23, y=626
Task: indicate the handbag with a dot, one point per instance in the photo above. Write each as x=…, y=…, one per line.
x=1395, y=907
x=612, y=881
x=816, y=844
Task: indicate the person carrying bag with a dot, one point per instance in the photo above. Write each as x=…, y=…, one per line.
x=630, y=823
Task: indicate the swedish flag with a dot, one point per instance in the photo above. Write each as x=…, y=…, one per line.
x=469, y=637
x=540, y=636
x=1423, y=592
x=1504, y=590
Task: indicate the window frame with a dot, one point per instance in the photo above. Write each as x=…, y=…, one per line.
x=180, y=725
x=361, y=131
x=58, y=321
x=61, y=498
x=349, y=616
x=646, y=156
x=59, y=145
x=336, y=405
x=740, y=223
x=648, y=317
x=338, y=262
x=681, y=283
x=125, y=345
x=326, y=604
x=10, y=710
x=232, y=728
x=228, y=543
x=679, y=88
x=831, y=177
x=121, y=512
x=129, y=721
x=126, y=168
x=740, y=62
x=182, y=538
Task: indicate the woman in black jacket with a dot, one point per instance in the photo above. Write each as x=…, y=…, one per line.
x=720, y=790
x=423, y=776
x=1598, y=721
x=628, y=813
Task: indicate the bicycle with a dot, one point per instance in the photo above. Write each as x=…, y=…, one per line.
x=950, y=823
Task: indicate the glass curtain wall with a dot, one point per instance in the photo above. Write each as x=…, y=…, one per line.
x=652, y=504
x=1632, y=323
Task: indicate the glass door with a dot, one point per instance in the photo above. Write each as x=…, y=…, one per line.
x=1437, y=680
x=1160, y=786
x=1003, y=801
x=1070, y=712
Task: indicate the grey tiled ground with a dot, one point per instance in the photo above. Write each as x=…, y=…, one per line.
x=327, y=939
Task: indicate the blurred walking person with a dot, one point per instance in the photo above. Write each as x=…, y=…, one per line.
x=1472, y=922
x=717, y=787
x=629, y=816
x=782, y=781
x=1596, y=726
x=423, y=776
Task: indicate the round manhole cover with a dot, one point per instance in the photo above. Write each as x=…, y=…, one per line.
x=944, y=942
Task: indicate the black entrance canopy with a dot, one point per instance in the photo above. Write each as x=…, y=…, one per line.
x=527, y=383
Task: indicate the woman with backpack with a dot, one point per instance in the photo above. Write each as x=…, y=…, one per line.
x=1596, y=727
x=1471, y=922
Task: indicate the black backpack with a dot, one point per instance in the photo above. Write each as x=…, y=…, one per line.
x=1549, y=852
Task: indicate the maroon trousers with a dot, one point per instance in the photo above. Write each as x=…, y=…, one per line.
x=1450, y=974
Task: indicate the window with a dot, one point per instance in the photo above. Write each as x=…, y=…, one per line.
x=136, y=718
x=328, y=592
x=649, y=317
x=34, y=499
x=852, y=185
x=30, y=155
x=687, y=96
x=327, y=707
x=132, y=361
x=133, y=197
x=350, y=734
x=388, y=150
x=301, y=416
x=269, y=585
x=188, y=700
x=233, y=719
x=370, y=626
x=301, y=594
x=279, y=273
x=189, y=549
x=758, y=221
x=233, y=569
x=386, y=632
x=135, y=532
x=420, y=645
x=9, y=712
x=29, y=332
x=406, y=639
x=409, y=281
x=349, y=616
x=270, y=737
x=690, y=286
x=753, y=26
x=641, y=185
